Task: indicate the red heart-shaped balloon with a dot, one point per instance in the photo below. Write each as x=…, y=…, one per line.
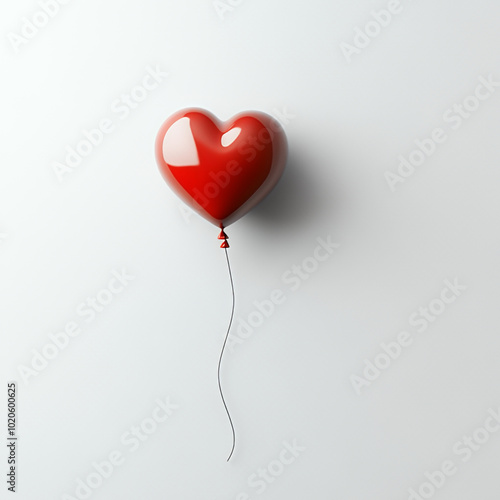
x=221, y=169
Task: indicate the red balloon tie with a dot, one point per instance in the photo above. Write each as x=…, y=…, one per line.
x=224, y=236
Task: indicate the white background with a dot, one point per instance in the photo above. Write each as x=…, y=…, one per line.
x=292, y=378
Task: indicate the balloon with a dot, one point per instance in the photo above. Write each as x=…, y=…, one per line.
x=221, y=169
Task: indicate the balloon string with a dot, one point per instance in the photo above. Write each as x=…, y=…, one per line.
x=222, y=352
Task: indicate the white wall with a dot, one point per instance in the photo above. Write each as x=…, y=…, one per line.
x=349, y=119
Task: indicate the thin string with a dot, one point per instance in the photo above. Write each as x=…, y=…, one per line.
x=222, y=352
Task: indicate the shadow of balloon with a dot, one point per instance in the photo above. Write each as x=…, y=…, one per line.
x=298, y=198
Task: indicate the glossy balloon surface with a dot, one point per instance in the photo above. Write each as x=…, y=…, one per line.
x=221, y=169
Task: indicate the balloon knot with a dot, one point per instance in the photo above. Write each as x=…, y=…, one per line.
x=223, y=236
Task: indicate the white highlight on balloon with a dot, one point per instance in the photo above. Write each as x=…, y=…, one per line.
x=179, y=148
x=230, y=136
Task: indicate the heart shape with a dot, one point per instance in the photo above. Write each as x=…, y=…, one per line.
x=221, y=169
